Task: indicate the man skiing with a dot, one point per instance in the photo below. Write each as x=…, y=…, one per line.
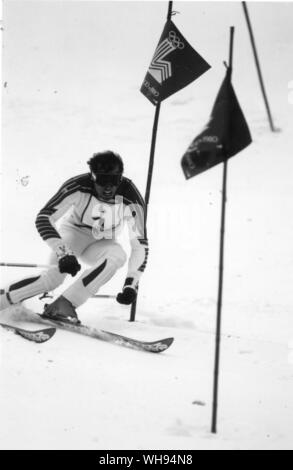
x=96, y=204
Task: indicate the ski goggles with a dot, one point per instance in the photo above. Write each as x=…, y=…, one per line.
x=104, y=179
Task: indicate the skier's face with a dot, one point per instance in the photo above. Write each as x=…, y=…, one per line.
x=106, y=184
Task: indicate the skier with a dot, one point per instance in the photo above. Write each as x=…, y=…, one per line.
x=96, y=205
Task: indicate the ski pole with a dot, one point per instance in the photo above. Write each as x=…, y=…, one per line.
x=103, y=296
x=28, y=265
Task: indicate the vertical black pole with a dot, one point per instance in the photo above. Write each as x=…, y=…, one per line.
x=152, y=156
x=221, y=272
x=262, y=86
x=151, y=165
x=148, y=187
x=169, y=15
x=219, y=305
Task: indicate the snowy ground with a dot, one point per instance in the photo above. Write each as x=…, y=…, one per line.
x=63, y=100
x=78, y=393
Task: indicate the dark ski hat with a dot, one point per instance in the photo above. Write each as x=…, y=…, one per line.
x=105, y=162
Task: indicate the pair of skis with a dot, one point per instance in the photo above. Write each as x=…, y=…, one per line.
x=40, y=336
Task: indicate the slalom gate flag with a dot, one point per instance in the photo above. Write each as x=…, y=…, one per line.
x=175, y=64
x=225, y=135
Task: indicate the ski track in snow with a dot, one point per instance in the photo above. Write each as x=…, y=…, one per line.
x=75, y=392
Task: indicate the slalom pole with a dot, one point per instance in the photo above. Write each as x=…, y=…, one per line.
x=148, y=188
x=221, y=272
x=170, y=7
x=257, y=63
x=151, y=167
x=152, y=157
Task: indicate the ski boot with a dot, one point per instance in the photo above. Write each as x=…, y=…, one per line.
x=61, y=310
x=5, y=301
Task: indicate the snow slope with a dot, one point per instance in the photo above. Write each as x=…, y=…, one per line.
x=72, y=89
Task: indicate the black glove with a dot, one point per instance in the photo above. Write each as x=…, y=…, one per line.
x=129, y=293
x=69, y=264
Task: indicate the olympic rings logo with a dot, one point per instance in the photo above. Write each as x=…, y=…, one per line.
x=175, y=40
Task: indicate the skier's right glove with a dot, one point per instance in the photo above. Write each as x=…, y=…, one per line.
x=129, y=293
x=67, y=262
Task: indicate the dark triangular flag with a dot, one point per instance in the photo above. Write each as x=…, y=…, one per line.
x=175, y=64
x=225, y=135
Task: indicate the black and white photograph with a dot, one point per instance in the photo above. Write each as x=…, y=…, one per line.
x=146, y=261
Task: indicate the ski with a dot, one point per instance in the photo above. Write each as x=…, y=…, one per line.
x=39, y=336
x=153, y=346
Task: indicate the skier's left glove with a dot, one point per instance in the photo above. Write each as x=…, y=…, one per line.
x=129, y=293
